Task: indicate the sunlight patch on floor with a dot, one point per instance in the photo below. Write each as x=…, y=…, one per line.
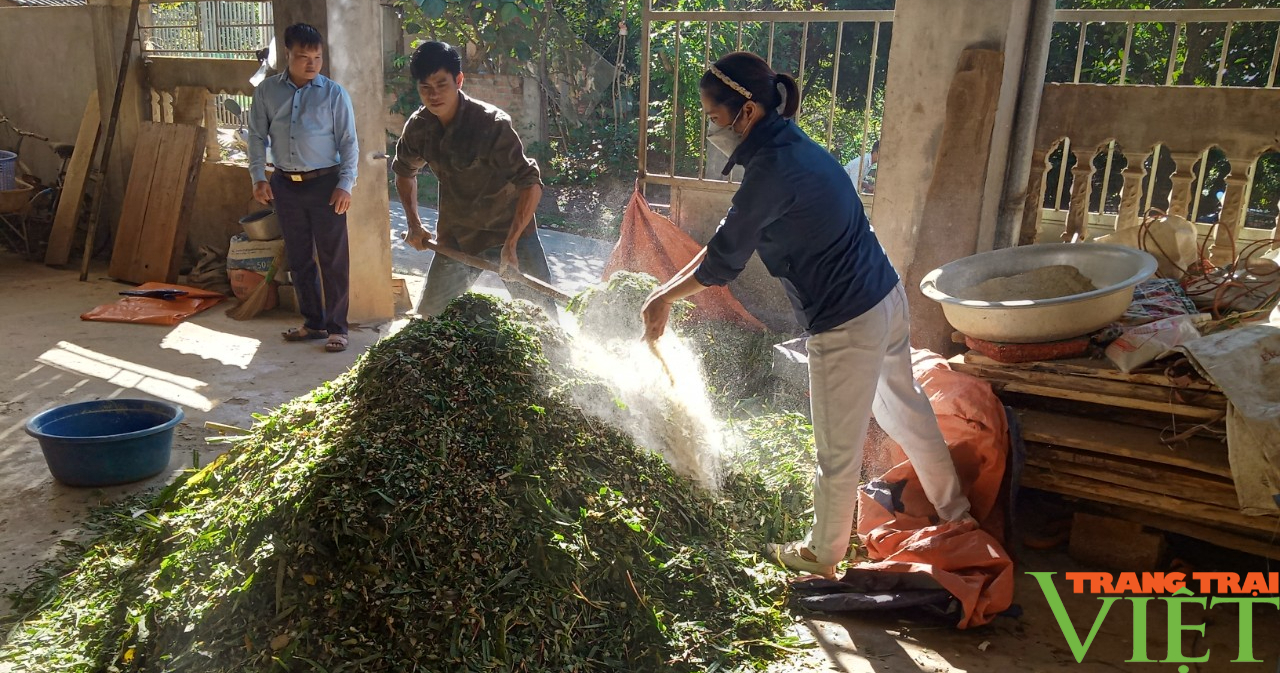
x=164, y=385
x=229, y=349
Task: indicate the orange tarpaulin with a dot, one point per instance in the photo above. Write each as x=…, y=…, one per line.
x=653, y=244
x=151, y=311
x=967, y=561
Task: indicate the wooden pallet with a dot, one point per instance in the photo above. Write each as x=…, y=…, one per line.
x=1097, y=434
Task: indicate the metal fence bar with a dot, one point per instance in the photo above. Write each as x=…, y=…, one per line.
x=642, y=133
x=675, y=102
x=1195, y=195
x=1222, y=60
x=804, y=53
x=221, y=28
x=702, y=123
x=1173, y=54
x=739, y=37
x=852, y=15
x=1124, y=58
x=835, y=80
x=1275, y=59
x=773, y=25
x=865, y=145
x=1165, y=15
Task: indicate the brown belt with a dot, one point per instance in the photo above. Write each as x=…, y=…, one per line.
x=308, y=175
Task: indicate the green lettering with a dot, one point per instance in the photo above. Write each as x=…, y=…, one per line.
x=1078, y=649
x=1140, y=630
x=1246, y=623
x=1176, y=627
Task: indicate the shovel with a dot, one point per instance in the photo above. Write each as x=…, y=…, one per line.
x=540, y=286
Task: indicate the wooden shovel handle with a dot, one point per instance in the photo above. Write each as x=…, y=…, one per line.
x=540, y=286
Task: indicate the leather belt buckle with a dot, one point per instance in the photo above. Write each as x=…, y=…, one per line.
x=296, y=177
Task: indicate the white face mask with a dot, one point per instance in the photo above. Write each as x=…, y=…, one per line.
x=724, y=138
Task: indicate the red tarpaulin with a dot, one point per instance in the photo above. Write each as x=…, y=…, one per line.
x=653, y=244
x=152, y=311
x=968, y=562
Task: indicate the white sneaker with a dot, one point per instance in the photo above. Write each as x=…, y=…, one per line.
x=790, y=555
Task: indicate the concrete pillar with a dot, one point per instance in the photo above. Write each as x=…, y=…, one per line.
x=110, y=20
x=929, y=38
x=352, y=31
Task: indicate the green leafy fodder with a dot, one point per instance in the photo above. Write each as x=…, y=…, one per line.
x=440, y=507
x=611, y=310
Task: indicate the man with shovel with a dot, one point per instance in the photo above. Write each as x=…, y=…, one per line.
x=489, y=189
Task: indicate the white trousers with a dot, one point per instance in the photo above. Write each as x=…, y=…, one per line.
x=864, y=365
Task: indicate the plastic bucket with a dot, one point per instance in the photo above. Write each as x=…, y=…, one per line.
x=106, y=442
x=8, y=171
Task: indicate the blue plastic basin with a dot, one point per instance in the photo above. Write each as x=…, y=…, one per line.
x=106, y=442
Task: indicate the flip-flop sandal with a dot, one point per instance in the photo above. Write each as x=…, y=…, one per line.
x=303, y=334
x=337, y=343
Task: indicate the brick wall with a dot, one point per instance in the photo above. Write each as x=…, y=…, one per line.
x=518, y=96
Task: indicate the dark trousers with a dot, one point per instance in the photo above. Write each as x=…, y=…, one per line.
x=312, y=231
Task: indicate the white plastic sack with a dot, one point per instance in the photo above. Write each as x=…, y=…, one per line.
x=1145, y=343
x=1171, y=240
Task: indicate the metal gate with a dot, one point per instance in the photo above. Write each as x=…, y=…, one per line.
x=837, y=57
x=221, y=29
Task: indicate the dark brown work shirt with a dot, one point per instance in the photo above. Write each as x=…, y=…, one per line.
x=481, y=165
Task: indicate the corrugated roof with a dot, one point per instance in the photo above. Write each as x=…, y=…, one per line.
x=50, y=3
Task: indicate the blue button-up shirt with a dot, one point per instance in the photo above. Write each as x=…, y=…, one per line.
x=309, y=128
x=797, y=208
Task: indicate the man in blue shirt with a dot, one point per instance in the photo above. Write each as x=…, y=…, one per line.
x=308, y=121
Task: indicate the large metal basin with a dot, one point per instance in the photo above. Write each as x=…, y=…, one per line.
x=1113, y=269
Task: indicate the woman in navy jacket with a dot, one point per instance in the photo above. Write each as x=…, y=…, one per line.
x=798, y=210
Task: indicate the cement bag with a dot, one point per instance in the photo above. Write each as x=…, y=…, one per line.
x=1142, y=344
x=251, y=255
x=1171, y=240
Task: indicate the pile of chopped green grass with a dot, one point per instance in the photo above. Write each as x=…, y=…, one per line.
x=440, y=507
x=611, y=310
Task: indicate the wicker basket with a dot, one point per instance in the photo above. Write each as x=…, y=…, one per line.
x=14, y=200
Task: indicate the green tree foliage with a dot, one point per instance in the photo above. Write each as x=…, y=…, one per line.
x=1198, y=56
x=676, y=111
x=518, y=36
x=556, y=40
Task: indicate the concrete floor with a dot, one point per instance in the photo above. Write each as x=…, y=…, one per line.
x=222, y=370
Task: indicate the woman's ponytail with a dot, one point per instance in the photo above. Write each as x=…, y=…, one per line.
x=789, y=104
